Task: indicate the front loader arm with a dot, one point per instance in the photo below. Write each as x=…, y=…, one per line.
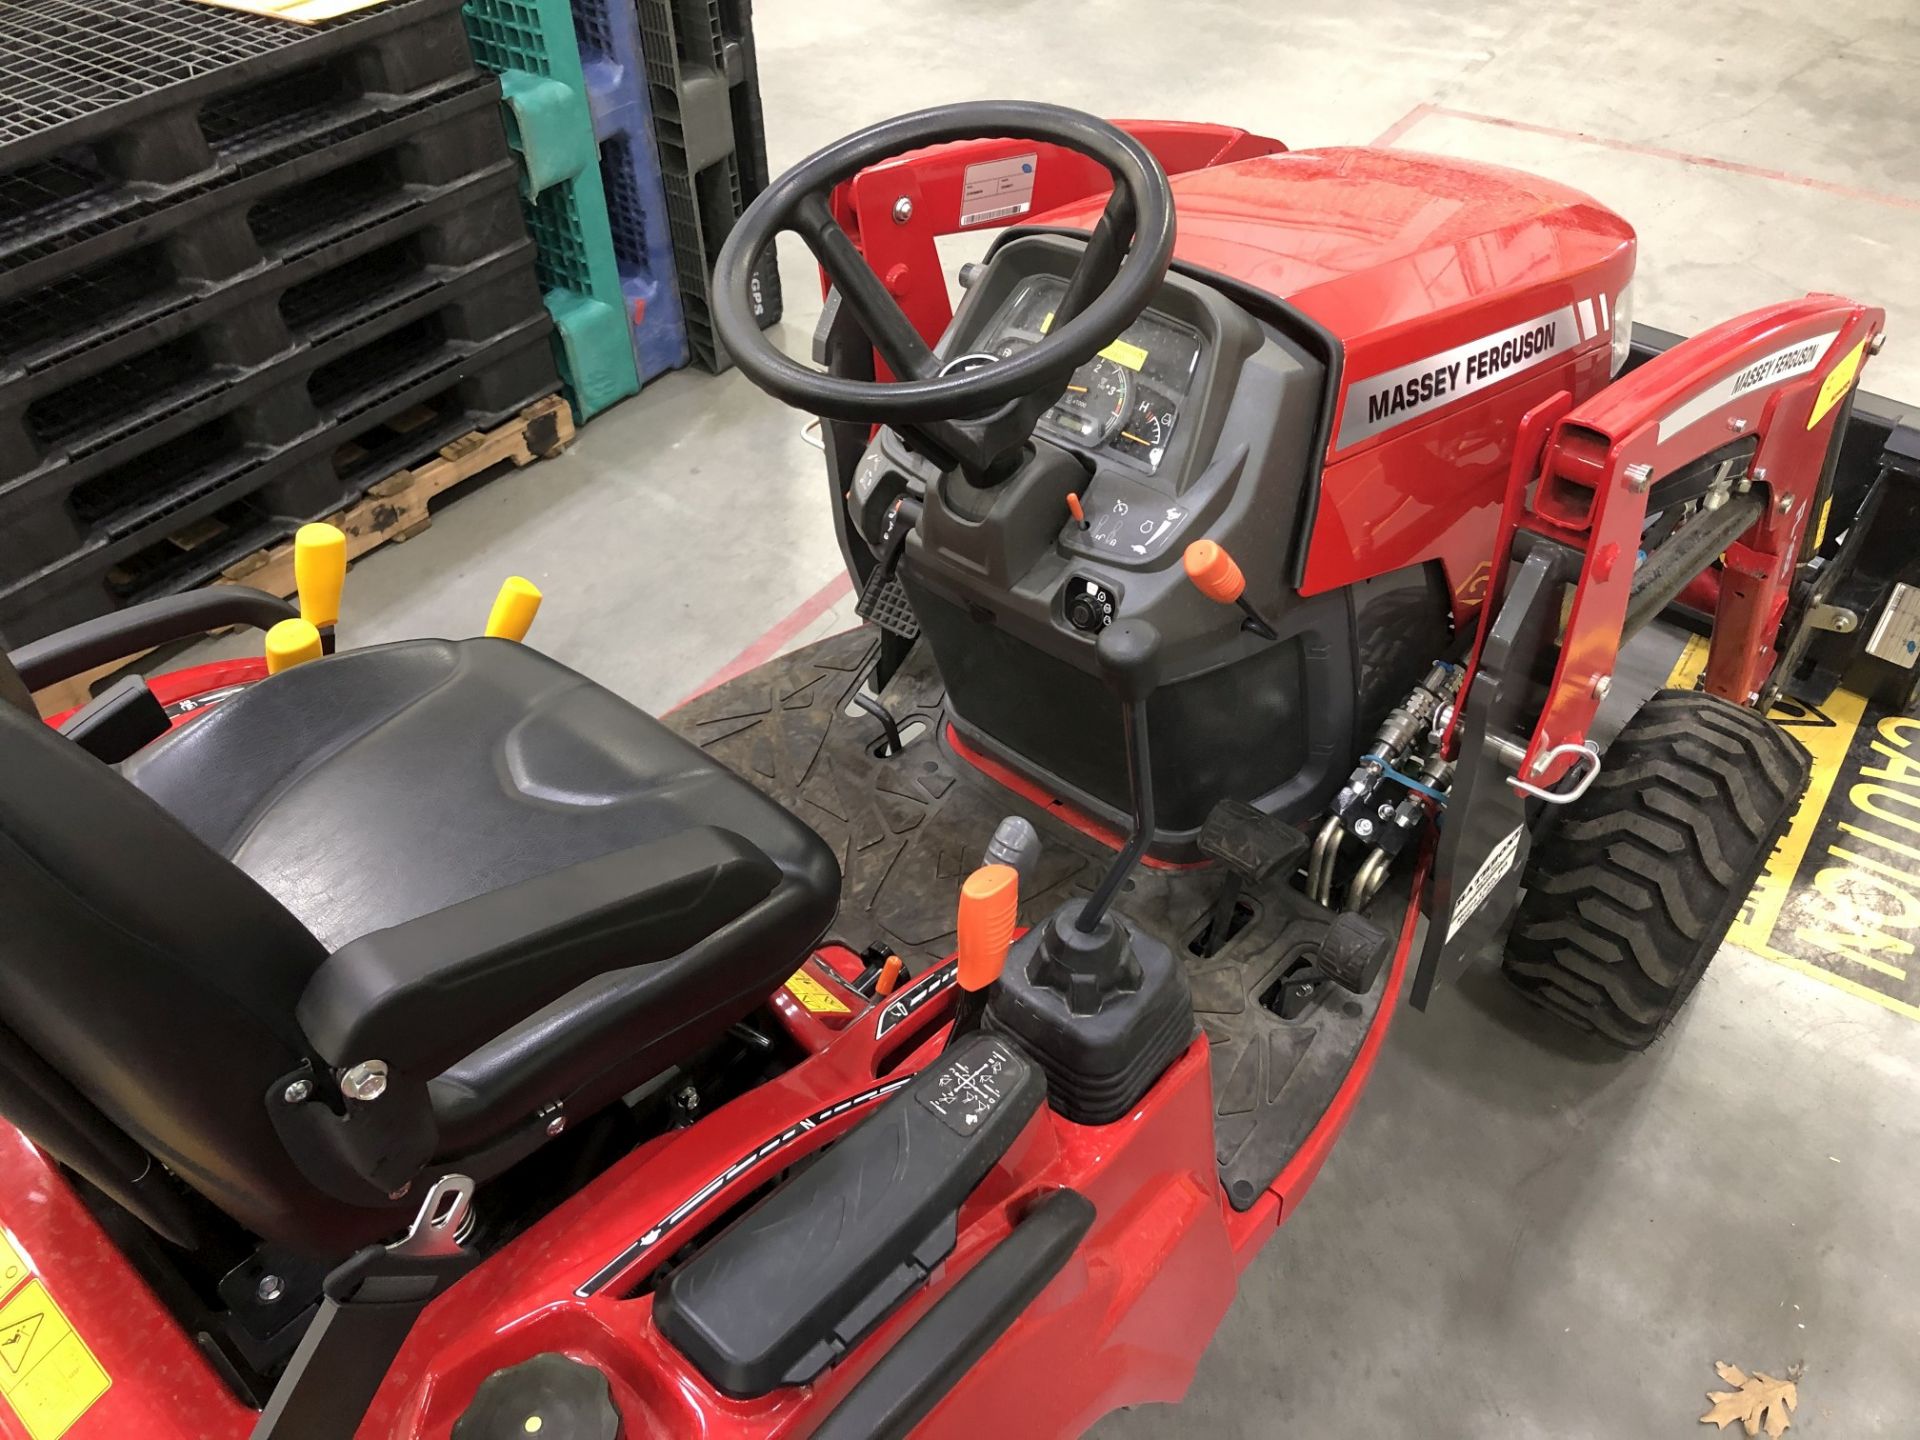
x=1745, y=418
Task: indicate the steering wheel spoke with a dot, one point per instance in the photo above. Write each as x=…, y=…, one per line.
x=878, y=312
x=1100, y=262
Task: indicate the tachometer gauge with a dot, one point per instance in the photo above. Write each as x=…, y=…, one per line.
x=1097, y=403
x=1148, y=430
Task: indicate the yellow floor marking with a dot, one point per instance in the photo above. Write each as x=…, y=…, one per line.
x=1828, y=745
x=47, y=1373
x=1839, y=982
x=1828, y=734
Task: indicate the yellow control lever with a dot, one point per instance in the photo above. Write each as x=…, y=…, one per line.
x=513, y=609
x=319, y=574
x=291, y=643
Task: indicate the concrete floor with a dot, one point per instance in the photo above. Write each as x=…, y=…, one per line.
x=1517, y=1237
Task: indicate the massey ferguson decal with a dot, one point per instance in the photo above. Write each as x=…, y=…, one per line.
x=1415, y=391
x=1783, y=364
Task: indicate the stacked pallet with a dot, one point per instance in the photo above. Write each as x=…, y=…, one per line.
x=247, y=270
x=703, y=77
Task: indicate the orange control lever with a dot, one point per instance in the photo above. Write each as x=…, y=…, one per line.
x=1077, y=510
x=889, y=978
x=989, y=903
x=1216, y=575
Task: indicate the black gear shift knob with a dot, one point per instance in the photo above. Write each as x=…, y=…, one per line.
x=1129, y=656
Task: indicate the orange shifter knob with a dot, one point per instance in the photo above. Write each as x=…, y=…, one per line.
x=989, y=905
x=1214, y=573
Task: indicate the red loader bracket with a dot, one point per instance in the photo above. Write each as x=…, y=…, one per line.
x=1746, y=419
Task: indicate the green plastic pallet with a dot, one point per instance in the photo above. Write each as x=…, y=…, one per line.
x=530, y=44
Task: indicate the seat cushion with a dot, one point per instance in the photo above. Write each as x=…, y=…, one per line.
x=381, y=784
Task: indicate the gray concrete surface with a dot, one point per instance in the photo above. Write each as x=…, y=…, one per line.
x=1516, y=1237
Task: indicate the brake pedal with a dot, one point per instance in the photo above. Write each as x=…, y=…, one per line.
x=1353, y=952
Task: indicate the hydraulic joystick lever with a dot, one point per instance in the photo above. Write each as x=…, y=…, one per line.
x=1217, y=576
x=1128, y=651
x=1102, y=1004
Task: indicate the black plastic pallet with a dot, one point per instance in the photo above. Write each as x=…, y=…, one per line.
x=292, y=214
x=704, y=84
x=110, y=94
x=42, y=246
x=109, y=311
x=259, y=498
x=373, y=345
x=302, y=306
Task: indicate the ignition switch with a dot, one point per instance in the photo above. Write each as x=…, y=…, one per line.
x=1090, y=605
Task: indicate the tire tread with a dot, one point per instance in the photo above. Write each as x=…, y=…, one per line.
x=1627, y=904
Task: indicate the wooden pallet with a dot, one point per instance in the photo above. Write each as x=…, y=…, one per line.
x=392, y=509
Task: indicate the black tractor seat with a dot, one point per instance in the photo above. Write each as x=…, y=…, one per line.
x=502, y=893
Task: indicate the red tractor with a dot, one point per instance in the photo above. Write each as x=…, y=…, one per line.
x=921, y=1032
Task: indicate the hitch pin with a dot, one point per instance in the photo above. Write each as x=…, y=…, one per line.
x=1586, y=750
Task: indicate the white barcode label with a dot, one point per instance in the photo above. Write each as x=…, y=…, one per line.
x=995, y=189
x=981, y=216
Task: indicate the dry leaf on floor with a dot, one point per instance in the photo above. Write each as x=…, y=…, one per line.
x=1761, y=1399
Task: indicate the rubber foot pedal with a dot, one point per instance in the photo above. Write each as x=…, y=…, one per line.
x=1247, y=840
x=884, y=602
x=1353, y=952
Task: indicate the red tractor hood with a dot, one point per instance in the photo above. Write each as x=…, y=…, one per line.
x=1407, y=259
x=1368, y=240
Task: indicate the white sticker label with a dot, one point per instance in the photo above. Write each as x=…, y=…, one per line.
x=1415, y=391
x=1492, y=870
x=1896, y=637
x=997, y=189
x=1783, y=364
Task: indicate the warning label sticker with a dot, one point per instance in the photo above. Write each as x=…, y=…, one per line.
x=47, y=1374
x=1840, y=896
x=997, y=189
x=1414, y=391
x=815, y=996
x=1491, y=872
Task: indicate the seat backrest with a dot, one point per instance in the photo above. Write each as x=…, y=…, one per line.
x=154, y=977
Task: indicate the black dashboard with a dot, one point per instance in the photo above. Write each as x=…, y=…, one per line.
x=1202, y=419
x=1127, y=400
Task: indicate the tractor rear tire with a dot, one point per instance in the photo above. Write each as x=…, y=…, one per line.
x=1634, y=891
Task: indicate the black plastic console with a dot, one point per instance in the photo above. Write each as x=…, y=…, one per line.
x=787, y=1289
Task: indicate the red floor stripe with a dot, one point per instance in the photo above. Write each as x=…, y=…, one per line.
x=1405, y=123
x=780, y=636
x=1633, y=147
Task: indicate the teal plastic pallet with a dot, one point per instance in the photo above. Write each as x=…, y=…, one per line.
x=530, y=44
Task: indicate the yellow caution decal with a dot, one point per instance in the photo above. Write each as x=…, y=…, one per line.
x=815, y=996
x=1839, y=380
x=13, y=1269
x=47, y=1374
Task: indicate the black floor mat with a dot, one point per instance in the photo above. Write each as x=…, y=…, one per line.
x=909, y=828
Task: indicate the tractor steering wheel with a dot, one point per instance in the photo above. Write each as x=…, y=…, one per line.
x=1126, y=257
